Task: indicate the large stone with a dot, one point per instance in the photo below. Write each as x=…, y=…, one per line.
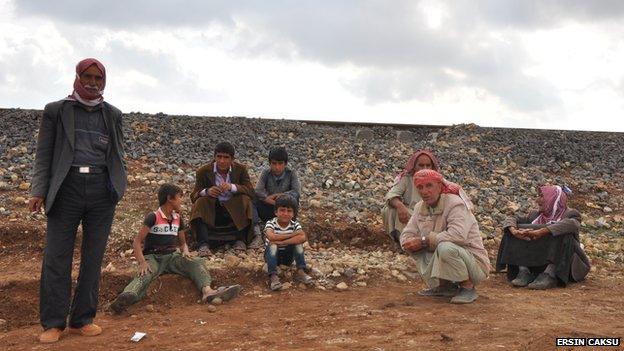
x=364, y=134
x=405, y=136
x=232, y=261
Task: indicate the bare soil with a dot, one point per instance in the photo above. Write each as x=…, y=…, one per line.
x=385, y=315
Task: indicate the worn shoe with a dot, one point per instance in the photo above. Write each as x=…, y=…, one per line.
x=122, y=302
x=446, y=290
x=395, y=235
x=256, y=242
x=274, y=282
x=302, y=277
x=239, y=245
x=50, y=335
x=87, y=330
x=465, y=296
x=225, y=293
x=543, y=282
x=204, y=251
x=523, y=278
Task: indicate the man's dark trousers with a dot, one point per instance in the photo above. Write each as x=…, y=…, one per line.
x=86, y=199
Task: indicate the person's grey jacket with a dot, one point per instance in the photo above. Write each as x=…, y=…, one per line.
x=268, y=185
x=55, y=150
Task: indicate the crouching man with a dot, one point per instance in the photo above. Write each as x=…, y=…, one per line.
x=443, y=236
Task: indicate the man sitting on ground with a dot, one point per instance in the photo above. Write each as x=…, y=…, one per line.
x=222, y=208
x=443, y=235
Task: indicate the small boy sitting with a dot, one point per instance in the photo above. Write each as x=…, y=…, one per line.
x=284, y=242
x=155, y=248
x=275, y=181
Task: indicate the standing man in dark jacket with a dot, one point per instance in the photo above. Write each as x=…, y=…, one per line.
x=79, y=175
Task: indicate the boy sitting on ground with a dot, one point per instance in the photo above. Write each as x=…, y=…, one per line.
x=284, y=242
x=275, y=181
x=155, y=248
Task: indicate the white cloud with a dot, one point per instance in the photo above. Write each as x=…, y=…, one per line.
x=551, y=64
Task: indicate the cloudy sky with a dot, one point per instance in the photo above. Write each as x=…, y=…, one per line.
x=525, y=63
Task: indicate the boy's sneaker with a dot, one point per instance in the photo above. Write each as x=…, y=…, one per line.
x=122, y=302
x=225, y=293
x=302, y=277
x=274, y=282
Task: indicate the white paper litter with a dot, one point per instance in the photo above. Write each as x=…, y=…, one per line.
x=138, y=336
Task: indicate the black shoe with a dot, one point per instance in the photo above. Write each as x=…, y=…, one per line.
x=543, y=282
x=395, y=235
x=523, y=278
x=122, y=302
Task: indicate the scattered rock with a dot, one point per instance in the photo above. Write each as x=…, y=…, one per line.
x=150, y=308
x=211, y=308
x=364, y=134
x=342, y=286
x=446, y=337
x=109, y=268
x=216, y=301
x=602, y=223
x=232, y=261
x=405, y=136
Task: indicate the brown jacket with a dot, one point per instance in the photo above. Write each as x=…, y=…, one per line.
x=449, y=221
x=239, y=206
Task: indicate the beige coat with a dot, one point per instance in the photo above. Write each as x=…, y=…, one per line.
x=449, y=221
x=408, y=194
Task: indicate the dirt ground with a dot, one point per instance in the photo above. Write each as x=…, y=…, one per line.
x=385, y=315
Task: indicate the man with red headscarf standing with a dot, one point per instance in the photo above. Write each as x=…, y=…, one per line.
x=79, y=176
x=443, y=235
